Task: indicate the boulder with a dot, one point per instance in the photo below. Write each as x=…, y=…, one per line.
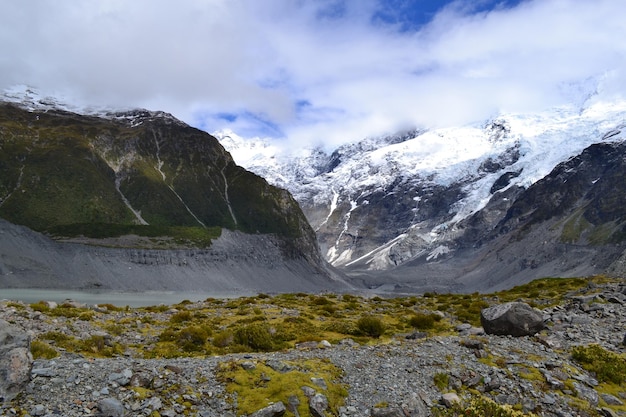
x=16, y=361
x=514, y=319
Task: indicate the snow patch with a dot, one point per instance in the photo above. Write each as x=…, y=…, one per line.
x=437, y=252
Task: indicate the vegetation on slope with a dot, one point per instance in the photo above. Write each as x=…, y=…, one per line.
x=71, y=175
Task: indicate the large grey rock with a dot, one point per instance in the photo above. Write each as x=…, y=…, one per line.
x=16, y=361
x=275, y=410
x=514, y=319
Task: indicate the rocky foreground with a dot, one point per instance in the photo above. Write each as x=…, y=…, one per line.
x=413, y=374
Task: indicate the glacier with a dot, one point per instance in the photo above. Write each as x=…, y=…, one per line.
x=522, y=148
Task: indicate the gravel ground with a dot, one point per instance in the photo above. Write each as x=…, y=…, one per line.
x=532, y=373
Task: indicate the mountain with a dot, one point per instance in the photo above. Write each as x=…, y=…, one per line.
x=470, y=208
x=134, y=183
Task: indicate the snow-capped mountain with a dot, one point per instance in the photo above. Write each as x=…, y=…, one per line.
x=382, y=202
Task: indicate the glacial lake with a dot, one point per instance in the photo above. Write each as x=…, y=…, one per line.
x=120, y=299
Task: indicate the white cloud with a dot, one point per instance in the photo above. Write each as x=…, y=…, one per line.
x=312, y=70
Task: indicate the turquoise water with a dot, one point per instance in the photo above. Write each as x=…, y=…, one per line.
x=140, y=299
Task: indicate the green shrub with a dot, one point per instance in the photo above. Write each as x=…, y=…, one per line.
x=479, y=407
x=256, y=336
x=350, y=298
x=167, y=335
x=192, y=338
x=329, y=309
x=223, y=339
x=40, y=306
x=608, y=366
x=441, y=380
x=320, y=301
x=57, y=337
x=114, y=329
x=341, y=327
x=42, y=350
x=181, y=317
x=66, y=310
x=422, y=321
x=370, y=326
x=86, y=315
x=97, y=346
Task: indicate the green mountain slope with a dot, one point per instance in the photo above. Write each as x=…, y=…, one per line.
x=139, y=172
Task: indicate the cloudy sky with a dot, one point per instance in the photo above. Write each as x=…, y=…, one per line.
x=328, y=71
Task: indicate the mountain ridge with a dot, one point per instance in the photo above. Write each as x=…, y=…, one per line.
x=86, y=177
x=421, y=202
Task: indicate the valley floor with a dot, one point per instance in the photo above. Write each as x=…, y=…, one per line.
x=402, y=373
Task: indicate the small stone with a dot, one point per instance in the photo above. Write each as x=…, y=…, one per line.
x=588, y=394
x=611, y=399
x=154, y=403
x=348, y=342
x=292, y=404
x=325, y=344
x=121, y=378
x=175, y=369
x=38, y=410
x=449, y=399
x=320, y=383
x=416, y=335
x=274, y=410
x=473, y=344
x=110, y=407
x=43, y=372
x=318, y=404
x=607, y=412
x=416, y=406
x=476, y=331
x=306, y=345
x=278, y=366
x=248, y=365
x=142, y=380
x=481, y=354
x=492, y=384
x=472, y=382
x=553, y=382
x=308, y=391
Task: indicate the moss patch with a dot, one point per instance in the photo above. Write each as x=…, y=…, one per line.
x=258, y=387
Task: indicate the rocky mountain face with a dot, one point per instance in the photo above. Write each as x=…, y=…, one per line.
x=472, y=208
x=87, y=178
